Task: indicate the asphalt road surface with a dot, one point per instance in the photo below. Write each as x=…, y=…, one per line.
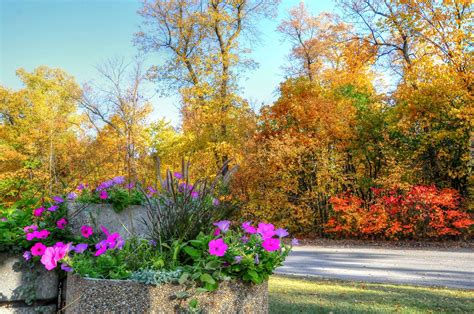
x=430, y=267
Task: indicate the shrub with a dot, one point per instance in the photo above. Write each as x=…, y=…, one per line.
x=422, y=212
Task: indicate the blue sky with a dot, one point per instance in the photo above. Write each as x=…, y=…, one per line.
x=76, y=35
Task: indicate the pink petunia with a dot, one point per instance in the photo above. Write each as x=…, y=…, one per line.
x=32, y=235
x=271, y=244
x=52, y=255
x=86, y=231
x=266, y=230
x=249, y=228
x=43, y=234
x=38, y=249
x=103, y=195
x=217, y=247
x=30, y=228
x=217, y=231
x=61, y=223
x=38, y=211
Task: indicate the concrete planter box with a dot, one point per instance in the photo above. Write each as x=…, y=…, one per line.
x=85, y=295
x=127, y=222
x=12, y=300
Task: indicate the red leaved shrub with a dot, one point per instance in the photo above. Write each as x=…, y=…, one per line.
x=422, y=212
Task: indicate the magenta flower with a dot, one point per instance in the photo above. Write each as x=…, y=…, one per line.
x=194, y=194
x=101, y=248
x=43, y=234
x=223, y=225
x=266, y=230
x=103, y=195
x=271, y=244
x=53, y=208
x=38, y=211
x=27, y=255
x=295, y=242
x=217, y=247
x=215, y=202
x=178, y=175
x=281, y=233
x=58, y=199
x=104, y=230
x=32, y=235
x=61, y=223
x=217, y=231
x=249, y=228
x=66, y=267
x=86, y=231
x=80, y=248
x=38, y=249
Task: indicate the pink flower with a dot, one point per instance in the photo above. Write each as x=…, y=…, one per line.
x=266, y=230
x=38, y=211
x=249, y=228
x=271, y=244
x=52, y=255
x=38, y=249
x=101, y=248
x=103, y=195
x=32, y=235
x=217, y=247
x=194, y=194
x=223, y=225
x=104, y=230
x=281, y=233
x=86, y=231
x=178, y=175
x=30, y=228
x=61, y=223
x=217, y=231
x=43, y=234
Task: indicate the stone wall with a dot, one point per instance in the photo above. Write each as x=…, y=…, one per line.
x=13, y=279
x=123, y=296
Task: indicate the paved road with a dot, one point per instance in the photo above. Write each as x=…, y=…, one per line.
x=431, y=267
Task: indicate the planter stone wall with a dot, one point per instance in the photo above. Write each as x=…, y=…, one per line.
x=127, y=222
x=12, y=300
x=86, y=295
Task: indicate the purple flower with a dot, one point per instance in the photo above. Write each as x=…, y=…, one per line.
x=266, y=230
x=103, y=195
x=27, y=255
x=215, y=202
x=238, y=259
x=151, y=191
x=53, y=208
x=217, y=247
x=182, y=186
x=194, y=194
x=249, y=228
x=223, y=225
x=118, y=180
x=101, y=248
x=81, y=187
x=66, y=267
x=244, y=239
x=256, y=260
x=281, y=233
x=80, y=248
x=4, y=219
x=152, y=242
x=178, y=175
x=58, y=199
x=72, y=196
x=295, y=242
x=130, y=186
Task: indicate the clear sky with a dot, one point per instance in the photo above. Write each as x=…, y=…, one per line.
x=76, y=35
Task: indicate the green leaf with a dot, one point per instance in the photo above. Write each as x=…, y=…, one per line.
x=184, y=277
x=192, y=252
x=207, y=279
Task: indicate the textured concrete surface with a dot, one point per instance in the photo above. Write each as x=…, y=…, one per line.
x=120, y=296
x=12, y=300
x=430, y=267
x=127, y=222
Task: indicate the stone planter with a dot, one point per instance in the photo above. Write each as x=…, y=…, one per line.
x=84, y=295
x=127, y=222
x=14, y=280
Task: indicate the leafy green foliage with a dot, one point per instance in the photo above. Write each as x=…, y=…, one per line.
x=118, y=197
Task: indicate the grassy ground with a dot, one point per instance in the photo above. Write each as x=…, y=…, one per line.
x=291, y=295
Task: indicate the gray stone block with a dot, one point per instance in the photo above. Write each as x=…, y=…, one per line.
x=128, y=222
x=122, y=296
